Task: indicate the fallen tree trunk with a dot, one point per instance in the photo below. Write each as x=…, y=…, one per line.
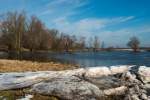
x=80, y=84
x=25, y=79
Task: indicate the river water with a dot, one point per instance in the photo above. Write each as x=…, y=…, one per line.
x=89, y=59
x=106, y=58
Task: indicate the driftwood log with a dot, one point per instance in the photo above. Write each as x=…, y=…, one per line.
x=94, y=83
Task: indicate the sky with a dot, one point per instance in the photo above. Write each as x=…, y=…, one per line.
x=113, y=21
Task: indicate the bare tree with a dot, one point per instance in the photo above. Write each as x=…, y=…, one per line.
x=46, y=40
x=103, y=45
x=68, y=43
x=96, y=43
x=12, y=28
x=37, y=37
x=19, y=31
x=74, y=41
x=134, y=43
x=80, y=43
x=55, y=39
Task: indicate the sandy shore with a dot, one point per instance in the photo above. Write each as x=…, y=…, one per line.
x=22, y=66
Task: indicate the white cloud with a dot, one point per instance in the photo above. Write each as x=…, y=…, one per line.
x=77, y=3
x=63, y=7
x=99, y=26
x=87, y=25
x=60, y=13
x=124, y=19
x=121, y=36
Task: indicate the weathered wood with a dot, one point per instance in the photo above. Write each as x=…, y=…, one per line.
x=115, y=91
x=83, y=83
x=25, y=79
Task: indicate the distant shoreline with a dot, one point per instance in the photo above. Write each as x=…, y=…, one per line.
x=83, y=50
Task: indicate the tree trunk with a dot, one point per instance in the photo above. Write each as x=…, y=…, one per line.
x=82, y=84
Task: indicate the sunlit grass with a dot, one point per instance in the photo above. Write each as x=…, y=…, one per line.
x=22, y=66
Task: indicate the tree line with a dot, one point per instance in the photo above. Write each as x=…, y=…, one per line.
x=19, y=32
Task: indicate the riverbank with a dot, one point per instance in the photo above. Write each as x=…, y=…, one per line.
x=23, y=66
x=7, y=66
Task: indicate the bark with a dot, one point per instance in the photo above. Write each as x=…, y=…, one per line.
x=83, y=83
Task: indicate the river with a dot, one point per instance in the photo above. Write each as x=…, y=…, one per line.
x=90, y=59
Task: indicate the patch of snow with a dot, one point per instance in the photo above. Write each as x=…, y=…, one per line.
x=27, y=97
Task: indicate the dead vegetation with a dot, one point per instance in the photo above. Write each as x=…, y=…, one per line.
x=22, y=66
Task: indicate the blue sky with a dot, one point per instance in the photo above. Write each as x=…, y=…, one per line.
x=114, y=21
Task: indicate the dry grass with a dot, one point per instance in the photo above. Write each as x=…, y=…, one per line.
x=20, y=93
x=22, y=66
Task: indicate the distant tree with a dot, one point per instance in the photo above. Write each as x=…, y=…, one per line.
x=134, y=43
x=19, y=32
x=66, y=42
x=110, y=48
x=90, y=43
x=80, y=44
x=96, y=43
x=12, y=28
x=103, y=45
x=37, y=37
x=33, y=35
x=74, y=41
x=45, y=41
x=55, y=39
